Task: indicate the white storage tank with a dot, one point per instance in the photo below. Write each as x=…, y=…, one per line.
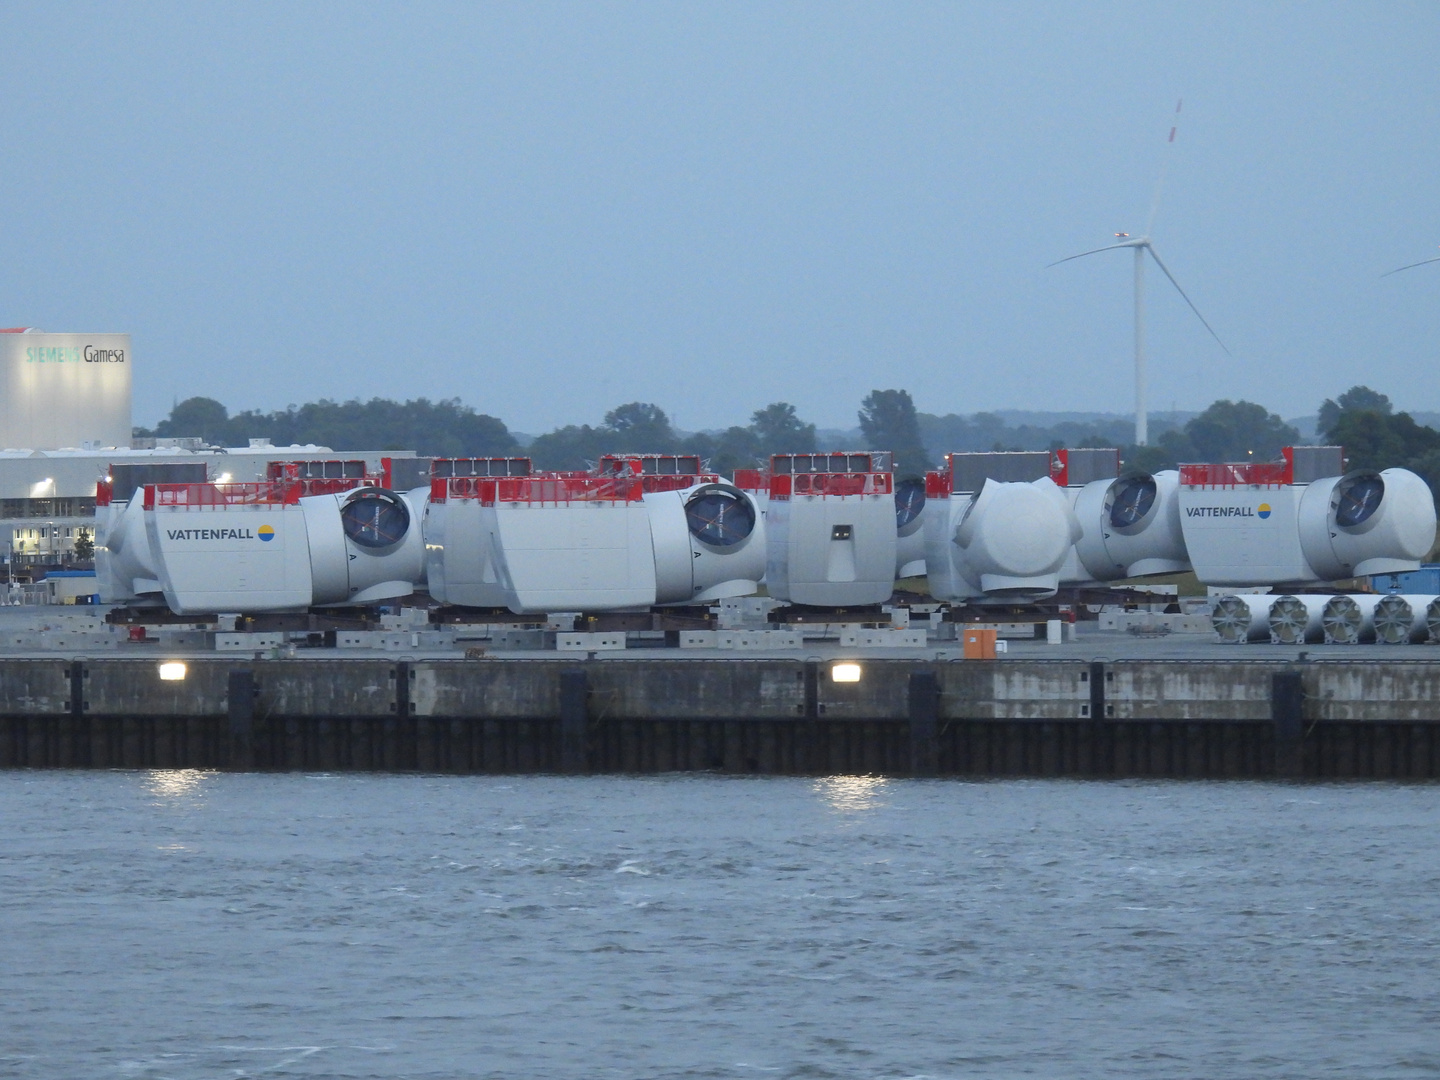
x=830, y=529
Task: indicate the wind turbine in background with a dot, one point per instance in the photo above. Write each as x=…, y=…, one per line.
x=1412, y=266
x=1140, y=245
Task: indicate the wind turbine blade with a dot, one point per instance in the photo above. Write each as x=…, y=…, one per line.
x=1164, y=164
x=1412, y=266
x=1096, y=251
x=1193, y=308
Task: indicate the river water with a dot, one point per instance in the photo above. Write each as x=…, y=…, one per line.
x=201, y=925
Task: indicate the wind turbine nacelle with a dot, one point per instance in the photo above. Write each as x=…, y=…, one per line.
x=1007, y=542
x=1366, y=522
x=459, y=529
x=910, y=527
x=709, y=543
x=1248, y=525
x=830, y=532
x=1131, y=527
x=261, y=547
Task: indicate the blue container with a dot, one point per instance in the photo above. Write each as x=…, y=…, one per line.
x=1425, y=581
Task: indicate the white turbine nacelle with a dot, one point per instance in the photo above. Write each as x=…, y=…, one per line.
x=830, y=532
x=263, y=547
x=639, y=534
x=1262, y=525
x=1008, y=541
x=1131, y=527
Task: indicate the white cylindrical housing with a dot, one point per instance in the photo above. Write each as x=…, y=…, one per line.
x=1296, y=620
x=910, y=510
x=1242, y=617
x=1009, y=541
x=1400, y=620
x=708, y=542
x=365, y=545
x=1366, y=522
x=1349, y=620
x=1131, y=526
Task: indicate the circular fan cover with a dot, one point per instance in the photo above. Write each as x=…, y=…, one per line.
x=1359, y=499
x=375, y=519
x=1393, y=620
x=1289, y=620
x=1231, y=619
x=1342, y=620
x=909, y=501
x=1432, y=618
x=1131, y=501
x=720, y=517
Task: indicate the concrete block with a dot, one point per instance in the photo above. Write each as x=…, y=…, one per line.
x=588, y=642
x=745, y=640
x=699, y=639
x=249, y=642
x=861, y=638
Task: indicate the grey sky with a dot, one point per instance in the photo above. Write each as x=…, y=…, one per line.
x=549, y=210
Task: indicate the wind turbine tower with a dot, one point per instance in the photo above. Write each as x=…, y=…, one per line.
x=1141, y=245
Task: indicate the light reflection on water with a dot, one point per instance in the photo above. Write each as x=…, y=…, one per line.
x=852, y=794
x=175, y=783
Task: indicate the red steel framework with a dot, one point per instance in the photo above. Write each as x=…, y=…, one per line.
x=1243, y=474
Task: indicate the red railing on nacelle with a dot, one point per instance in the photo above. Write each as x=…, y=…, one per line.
x=551, y=489
x=1241, y=474
x=831, y=484
x=209, y=496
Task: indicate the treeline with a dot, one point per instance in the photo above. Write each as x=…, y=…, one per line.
x=1362, y=420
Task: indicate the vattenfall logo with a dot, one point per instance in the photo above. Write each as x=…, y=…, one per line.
x=71, y=354
x=1262, y=511
x=265, y=534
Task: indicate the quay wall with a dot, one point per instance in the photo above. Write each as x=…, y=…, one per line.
x=1331, y=719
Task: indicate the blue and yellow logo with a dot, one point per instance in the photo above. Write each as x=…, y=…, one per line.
x=1263, y=510
x=268, y=533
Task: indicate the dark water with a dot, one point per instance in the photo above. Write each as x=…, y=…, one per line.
x=197, y=925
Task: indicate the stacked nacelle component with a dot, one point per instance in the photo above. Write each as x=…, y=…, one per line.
x=830, y=533
x=641, y=532
x=262, y=547
x=988, y=536
x=125, y=565
x=1260, y=524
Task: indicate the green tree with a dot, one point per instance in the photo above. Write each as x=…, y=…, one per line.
x=1357, y=398
x=84, y=545
x=777, y=430
x=197, y=417
x=888, y=422
x=1239, y=431
x=639, y=428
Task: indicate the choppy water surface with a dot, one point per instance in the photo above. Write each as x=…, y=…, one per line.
x=181, y=924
